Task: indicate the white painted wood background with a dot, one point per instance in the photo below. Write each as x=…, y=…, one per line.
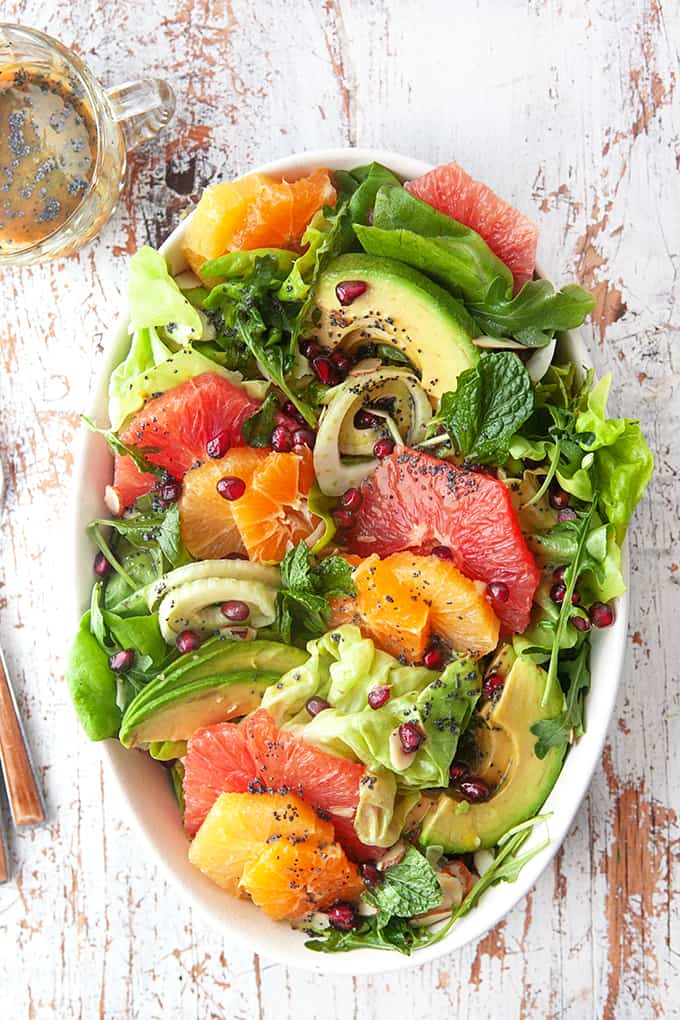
x=570, y=110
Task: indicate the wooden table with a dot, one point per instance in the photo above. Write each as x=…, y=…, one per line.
x=569, y=110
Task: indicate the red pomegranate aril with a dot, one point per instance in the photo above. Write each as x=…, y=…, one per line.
x=351, y=500
x=171, y=490
x=383, y=448
x=120, y=662
x=235, y=610
x=308, y=349
x=187, y=641
x=282, y=441
x=101, y=565
x=559, y=499
x=349, y=290
x=567, y=515
x=291, y=411
x=230, y=487
x=494, y=682
x=363, y=419
x=218, y=445
x=498, y=591
x=557, y=593
x=315, y=705
x=559, y=572
x=370, y=874
x=458, y=771
x=342, y=916
x=474, y=790
x=601, y=614
x=433, y=658
x=241, y=634
x=411, y=737
x=581, y=623
x=343, y=519
x=442, y=552
x=341, y=362
x=378, y=696
x=304, y=437
x=325, y=370
x=575, y=598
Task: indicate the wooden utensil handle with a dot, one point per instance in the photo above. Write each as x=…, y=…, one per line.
x=22, y=790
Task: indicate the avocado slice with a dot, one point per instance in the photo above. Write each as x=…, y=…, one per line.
x=504, y=759
x=399, y=307
x=191, y=681
x=176, y=714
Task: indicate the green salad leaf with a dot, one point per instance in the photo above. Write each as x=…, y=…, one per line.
x=569, y=725
x=491, y=401
x=409, y=887
x=257, y=430
x=154, y=299
x=302, y=606
x=92, y=684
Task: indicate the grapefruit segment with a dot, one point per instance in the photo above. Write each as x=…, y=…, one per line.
x=239, y=825
x=414, y=501
x=509, y=234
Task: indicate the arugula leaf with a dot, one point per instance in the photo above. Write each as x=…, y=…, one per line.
x=535, y=314
x=257, y=430
x=569, y=725
x=123, y=450
x=489, y=404
x=408, y=888
x=396, y=933
x=302, y=603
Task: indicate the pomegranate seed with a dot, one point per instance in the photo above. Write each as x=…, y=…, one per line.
x=601, y=614
x=304, y=437
x=458, y=771
x=433, y=658
x=291, y=411
x=342, y=916
x=343, y=519
x=120, y=662
x=187, y=641
x=581, y=623
x=383, y=448
x=235, y=610
x=474, y=789
x=242, y=634
x=494, y=682
x=411, y=737
x=235, y=556
x=567, y=515
x=442, y=552
x=316, y=705
x=230, y=487
x=281, y=440
x=498, y=591
x=370, y=874
x=575, y=598
x=325, y=370
x=558, y=573
x=171, y=490
x=557, y=593
x=559, y=499
x=101, y=565
x=218, y=445
x=365, y=420
x=349, y=290
x=308, y=349
x=341, y=362
x=351, y=500
x=377, y=696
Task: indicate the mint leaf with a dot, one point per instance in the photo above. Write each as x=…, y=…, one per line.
x=489, y=404
x=257, y=430
x=408, y=888
x=302, y=602
x=335, y=577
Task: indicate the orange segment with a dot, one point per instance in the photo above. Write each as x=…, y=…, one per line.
x=400, y=623
x=239, y=825
x=279, y=477
x=256, y=211
x=289, y=879
x=209, y=530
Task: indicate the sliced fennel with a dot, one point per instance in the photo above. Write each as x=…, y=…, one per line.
x=195, y=605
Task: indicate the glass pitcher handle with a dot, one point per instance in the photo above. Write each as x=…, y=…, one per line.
x=141, y=108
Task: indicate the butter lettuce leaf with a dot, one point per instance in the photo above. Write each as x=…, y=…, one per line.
x=154, y=299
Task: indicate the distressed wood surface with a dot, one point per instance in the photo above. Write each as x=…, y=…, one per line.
x=570, y=110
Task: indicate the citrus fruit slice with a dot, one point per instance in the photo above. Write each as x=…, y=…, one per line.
x=257, y=756
x=256, y=211
x=414, y=501
x=404, y=599
x=268, y=518
x=178, y=425
x=239, y=825
x=509, y=234
x=291, y=878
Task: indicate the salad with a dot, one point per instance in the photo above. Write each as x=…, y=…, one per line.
x=363, y=523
